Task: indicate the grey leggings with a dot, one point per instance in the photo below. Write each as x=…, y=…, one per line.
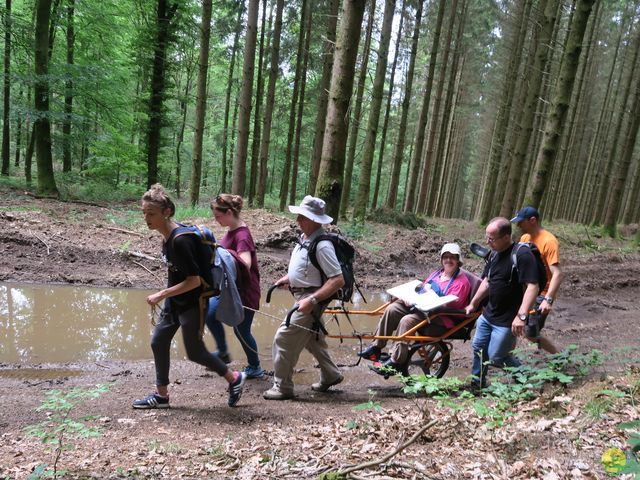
x=165, y=330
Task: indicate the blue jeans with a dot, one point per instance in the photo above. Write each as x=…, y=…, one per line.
x=491, y=343
x=242, y=331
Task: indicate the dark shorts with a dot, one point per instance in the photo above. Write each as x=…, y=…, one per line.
x=536, y=320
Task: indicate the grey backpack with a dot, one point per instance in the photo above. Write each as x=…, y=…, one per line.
x=229, y=308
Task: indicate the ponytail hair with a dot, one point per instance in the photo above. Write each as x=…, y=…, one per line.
x=157, y=196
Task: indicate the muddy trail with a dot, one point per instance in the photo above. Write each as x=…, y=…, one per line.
x=51, y=242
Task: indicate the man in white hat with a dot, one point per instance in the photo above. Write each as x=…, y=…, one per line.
x=311, y=290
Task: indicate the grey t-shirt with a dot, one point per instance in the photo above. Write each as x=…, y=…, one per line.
x=302, y=273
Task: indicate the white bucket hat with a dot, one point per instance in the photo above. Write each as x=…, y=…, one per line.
x=452, y=248
x=313, y=209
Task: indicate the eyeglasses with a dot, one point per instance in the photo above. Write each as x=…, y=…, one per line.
x=493, y=239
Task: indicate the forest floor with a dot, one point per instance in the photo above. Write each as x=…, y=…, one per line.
x=561, y=434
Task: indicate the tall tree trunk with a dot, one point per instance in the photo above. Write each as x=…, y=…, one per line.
x=268, y=112
x=435, y=122
x=303, y=82
x=446, y=131
x=588, y=178
x=504, y=114
x=7, y=90
x=244, y=118
x=255, y=141
x=286, y=169
x=556, y=119
x=184, y=106
x=534, y=87
x=335, y=134
x=387, y=111
x=323, y=95
x=227, y=103
x=398, y=151
x=416, y=157
x=357, y=113
x=201, y=103
x=622, y=170
x=165, y=14
x=18, y=134
x=364, y=183
x=68, y=91
x=42, y=127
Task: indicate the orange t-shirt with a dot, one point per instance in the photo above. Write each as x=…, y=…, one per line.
x=549, y=248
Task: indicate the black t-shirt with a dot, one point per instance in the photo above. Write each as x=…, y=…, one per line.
x=180, y=255
x=505, y=294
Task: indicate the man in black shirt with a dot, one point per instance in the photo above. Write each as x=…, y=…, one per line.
x=512, y=290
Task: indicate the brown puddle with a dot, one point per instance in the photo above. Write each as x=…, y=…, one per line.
x=39, y=373
x=57, y=324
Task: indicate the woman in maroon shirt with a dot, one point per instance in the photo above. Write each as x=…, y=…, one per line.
x=226, y=210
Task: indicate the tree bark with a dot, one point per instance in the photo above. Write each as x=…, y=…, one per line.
x=286, y=169
x=268, y=112
x=303, y=83
x=165, y=14
x=385, y=122
x=323, y=96
x=201, y=103
x=518, y=158
x=255, y=141
x=244, y=117
x=42, y=127
x=68, y=91
x=227, y=103
x=398, y=151
x=6, y=154
x=334, y=144
x=555, y=121
x=435, y=122
x=503, y=116
x=364, y=183
x=357, y=112
x=416, y=157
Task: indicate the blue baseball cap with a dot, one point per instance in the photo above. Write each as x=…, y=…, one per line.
x=525, y=213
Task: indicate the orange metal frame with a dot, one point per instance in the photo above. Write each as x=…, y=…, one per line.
x=407, y=336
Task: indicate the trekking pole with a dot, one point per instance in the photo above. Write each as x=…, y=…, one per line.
x=270, y=291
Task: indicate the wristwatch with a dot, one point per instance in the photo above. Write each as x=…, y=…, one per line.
x=549, y=300
x=313, y=300
x=522, y=316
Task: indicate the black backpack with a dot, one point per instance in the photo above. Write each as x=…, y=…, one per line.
x=345, y=254
x=542, y=271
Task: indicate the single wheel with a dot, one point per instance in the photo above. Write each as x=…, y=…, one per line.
x=430, y=359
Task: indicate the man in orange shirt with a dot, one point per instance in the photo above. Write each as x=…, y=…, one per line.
x=528, y=220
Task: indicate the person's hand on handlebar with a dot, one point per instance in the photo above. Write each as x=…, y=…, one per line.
x=305, y=305
x=283, y=282
x=469, y=309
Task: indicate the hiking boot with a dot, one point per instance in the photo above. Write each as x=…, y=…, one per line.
x=372, y=353
x=225, y=357
x=274, y=393
x=235, y=389
x=386, y=369
x=254, y=372
x=153, y=400
x=323, y=387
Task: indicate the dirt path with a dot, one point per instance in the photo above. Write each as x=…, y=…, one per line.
x=47, y=241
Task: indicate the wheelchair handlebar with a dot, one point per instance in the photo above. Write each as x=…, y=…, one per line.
x=289, y=313
x=270, y=291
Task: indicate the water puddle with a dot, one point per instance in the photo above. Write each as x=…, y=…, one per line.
x=45, y=323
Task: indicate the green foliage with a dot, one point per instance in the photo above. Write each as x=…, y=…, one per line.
x=61, y=428
x=188, y=211
x=371, y=404
x=357, y=230
x=394, y=217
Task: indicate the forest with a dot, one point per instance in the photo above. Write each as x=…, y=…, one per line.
x=453, y=109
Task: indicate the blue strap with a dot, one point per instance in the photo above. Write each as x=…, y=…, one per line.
x=435, y=286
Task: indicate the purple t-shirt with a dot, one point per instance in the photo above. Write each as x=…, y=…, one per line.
x=241, y=240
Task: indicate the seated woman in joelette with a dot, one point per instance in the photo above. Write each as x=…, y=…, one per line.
x=447, y=280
